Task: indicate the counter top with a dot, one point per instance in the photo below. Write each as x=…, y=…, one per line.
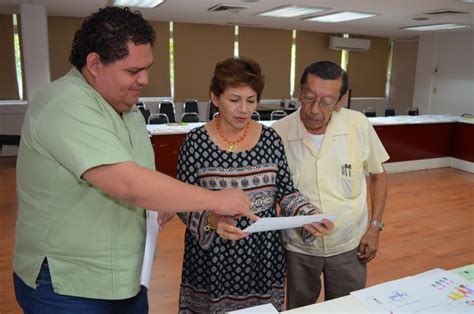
x=183, y=128
x=424, y=119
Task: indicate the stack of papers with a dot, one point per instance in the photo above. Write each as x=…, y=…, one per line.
x=435, y=291
x=264, y=308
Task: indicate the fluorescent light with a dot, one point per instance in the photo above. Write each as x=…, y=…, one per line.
x=291, y=11
x=340, y=17
x=434, y=27
x=136, y=3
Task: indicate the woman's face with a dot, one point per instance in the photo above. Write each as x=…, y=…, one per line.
x=236, y=106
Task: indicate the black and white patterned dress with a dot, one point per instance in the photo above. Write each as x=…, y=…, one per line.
x=223, y=275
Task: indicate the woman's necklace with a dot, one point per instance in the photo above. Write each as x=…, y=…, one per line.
x=231, y=145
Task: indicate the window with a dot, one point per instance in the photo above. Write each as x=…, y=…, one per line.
x=293, y=64
x=16, y=43
x=171, y=60
x=236, y=41
x=345, y=56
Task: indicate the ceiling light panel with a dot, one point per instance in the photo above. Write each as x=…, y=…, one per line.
x=435, y=27
x=136, y=3
x=340, y=17
x=291, y=11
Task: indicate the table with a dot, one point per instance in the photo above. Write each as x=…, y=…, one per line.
x=347, y=304
x=405, y=138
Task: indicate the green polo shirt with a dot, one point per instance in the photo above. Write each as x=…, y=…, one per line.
x=94, y=243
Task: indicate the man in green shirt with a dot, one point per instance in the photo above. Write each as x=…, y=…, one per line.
x=85, y=174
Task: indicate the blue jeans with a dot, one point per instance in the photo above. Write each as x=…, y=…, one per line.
x=43, y=300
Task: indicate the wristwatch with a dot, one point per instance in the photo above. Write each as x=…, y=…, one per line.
x=377, y=224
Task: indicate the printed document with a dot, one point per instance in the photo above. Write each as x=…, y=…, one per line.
x=278, y=223
x=150, y=245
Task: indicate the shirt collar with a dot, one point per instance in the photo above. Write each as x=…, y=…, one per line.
x=335, y=127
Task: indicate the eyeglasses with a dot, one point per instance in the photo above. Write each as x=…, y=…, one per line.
x=311, y=100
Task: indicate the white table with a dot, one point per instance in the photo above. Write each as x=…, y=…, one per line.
x=347, y=304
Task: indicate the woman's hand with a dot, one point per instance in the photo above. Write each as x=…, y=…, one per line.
x=225, y=227
x=321, y=229
x=163, y=218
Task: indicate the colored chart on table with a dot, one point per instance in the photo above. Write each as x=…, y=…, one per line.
x=437, y=291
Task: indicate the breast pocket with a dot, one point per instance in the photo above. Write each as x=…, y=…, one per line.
x=351, y=181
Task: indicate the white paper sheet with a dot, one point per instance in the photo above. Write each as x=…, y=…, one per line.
x=278, y=223
x=264, y=308
x=434, y=292
x=150, y=246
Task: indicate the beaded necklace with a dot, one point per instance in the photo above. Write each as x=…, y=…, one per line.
x=231, y=145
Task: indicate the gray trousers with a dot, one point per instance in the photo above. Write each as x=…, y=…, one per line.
x=342, y=273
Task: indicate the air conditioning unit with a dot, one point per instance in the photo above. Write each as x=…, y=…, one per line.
x=353, y=44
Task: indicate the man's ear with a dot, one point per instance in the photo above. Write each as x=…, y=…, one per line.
x=342, y=101
x=299, y=92
x=93, y=64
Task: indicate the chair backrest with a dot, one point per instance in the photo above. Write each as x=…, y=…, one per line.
x=256, y=116
x=191, y=105
x=13, y=140
x=211, y=110
x=370, y=112
x=292, y=104
x=189, y=117
x=167, y=107
x=145, y=112
x=158, y=118
x=277, y=114
x=389, y=112
x=413, y=111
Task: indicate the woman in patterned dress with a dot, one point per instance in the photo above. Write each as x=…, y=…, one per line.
x=225, y=269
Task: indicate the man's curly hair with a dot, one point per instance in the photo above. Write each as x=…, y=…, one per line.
x=107, y=33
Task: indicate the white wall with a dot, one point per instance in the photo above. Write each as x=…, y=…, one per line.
x=444, y=82
x=34, y=36
x=34, y=26
x=403, y=74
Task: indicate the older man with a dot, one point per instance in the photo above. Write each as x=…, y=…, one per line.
x=328, y=149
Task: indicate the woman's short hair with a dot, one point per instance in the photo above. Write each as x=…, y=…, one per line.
x=236, y=72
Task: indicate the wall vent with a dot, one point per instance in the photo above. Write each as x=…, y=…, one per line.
x=226, y=8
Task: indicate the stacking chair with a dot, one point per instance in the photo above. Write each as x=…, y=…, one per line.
x=13, y=140
x=143, y=109
x=256, y=116
x=191, y=105
x=158, y=118
x=292, y=104
x=277, y=114
x=211, y=110
x=167, y=107
x=370, y=112
x=189, y=117
x=413, y=111
x=389, y=112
